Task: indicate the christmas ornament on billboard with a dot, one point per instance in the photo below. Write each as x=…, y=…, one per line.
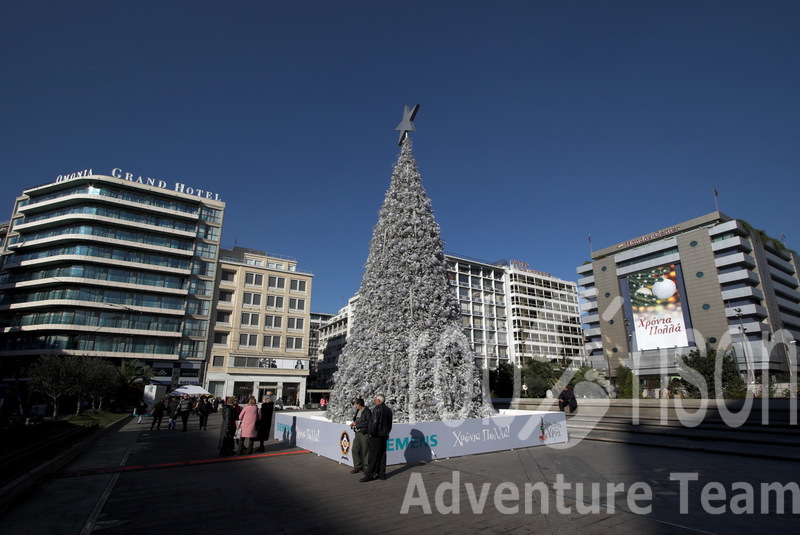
x=664, y=289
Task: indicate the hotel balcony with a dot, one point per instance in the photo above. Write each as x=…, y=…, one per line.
x=735, y=259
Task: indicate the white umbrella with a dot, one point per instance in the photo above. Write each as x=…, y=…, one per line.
x=192, y=390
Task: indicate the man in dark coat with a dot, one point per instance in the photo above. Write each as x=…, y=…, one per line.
x=228, y=429
x=380, y=425
x=172, y=410
x=265, y=423
x=158, y=413
x=203, y=409
x=567, y=398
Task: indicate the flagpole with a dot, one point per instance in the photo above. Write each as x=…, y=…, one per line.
x=716, y=194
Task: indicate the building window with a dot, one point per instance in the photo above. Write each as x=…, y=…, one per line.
x=276, y=283
x=200, y=287
x=296, y=285
x=295, y=323
x=253, y=262
x=218, y=361
x=225, y=296
x=254, y=279
x=274, y=301
x=248, y=340
x=198, y=307
x=249, y=319
x=223, y=316
x=210, y=214
x=227, y=276
x=293, y=342
x=205, y=250
x=252, y=299
x=273, y=322
x=297, y=304
x=272, y=341
x=220, y=339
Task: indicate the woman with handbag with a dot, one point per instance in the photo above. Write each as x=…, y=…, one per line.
x=248, y=419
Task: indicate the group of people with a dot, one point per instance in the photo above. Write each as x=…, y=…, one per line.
x=179, y=408
x=242, y=427
x=371, y=428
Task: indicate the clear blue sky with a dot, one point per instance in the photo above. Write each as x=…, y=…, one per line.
x=540, y=122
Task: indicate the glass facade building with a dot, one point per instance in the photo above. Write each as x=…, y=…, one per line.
x=106, y=266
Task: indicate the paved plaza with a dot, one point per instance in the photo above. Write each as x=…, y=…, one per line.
x=132, y=480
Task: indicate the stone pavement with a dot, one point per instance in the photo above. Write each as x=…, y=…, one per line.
x=135, y=481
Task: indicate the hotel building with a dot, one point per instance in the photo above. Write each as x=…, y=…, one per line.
x=112, y=266
x=712, y=281
x=261, y=323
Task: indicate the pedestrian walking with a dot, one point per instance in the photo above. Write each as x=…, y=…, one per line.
x=158, y=413
x=184, y=410
x=172, y=411
x=228, y=429
x=203, y=409
x=140, y=411
x=247, y=423
x=265, y=423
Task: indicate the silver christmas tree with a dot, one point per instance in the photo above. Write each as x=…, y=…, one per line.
x=406, y=340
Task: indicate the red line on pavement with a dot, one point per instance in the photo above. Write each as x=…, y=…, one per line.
x=134, y=468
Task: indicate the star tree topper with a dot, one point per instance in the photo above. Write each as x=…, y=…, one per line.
x=407, y=124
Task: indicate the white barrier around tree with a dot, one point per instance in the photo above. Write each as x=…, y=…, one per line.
x=424, y=441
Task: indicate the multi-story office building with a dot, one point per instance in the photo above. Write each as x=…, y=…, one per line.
x=316, y=321
x=117, y=266
x=482, y=295
x=712, y=281
x=261, y=327
x=332, y=338
x=495, y=299
x=3, y=234
x=545, y=316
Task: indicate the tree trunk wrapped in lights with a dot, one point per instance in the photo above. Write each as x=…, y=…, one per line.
x=406, y=340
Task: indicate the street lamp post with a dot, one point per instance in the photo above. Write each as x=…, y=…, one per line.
x=750, y=374
x=628, y=343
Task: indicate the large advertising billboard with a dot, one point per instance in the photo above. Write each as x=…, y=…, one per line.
x=658, y=318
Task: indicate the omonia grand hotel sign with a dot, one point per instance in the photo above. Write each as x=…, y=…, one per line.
x=180, y=187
